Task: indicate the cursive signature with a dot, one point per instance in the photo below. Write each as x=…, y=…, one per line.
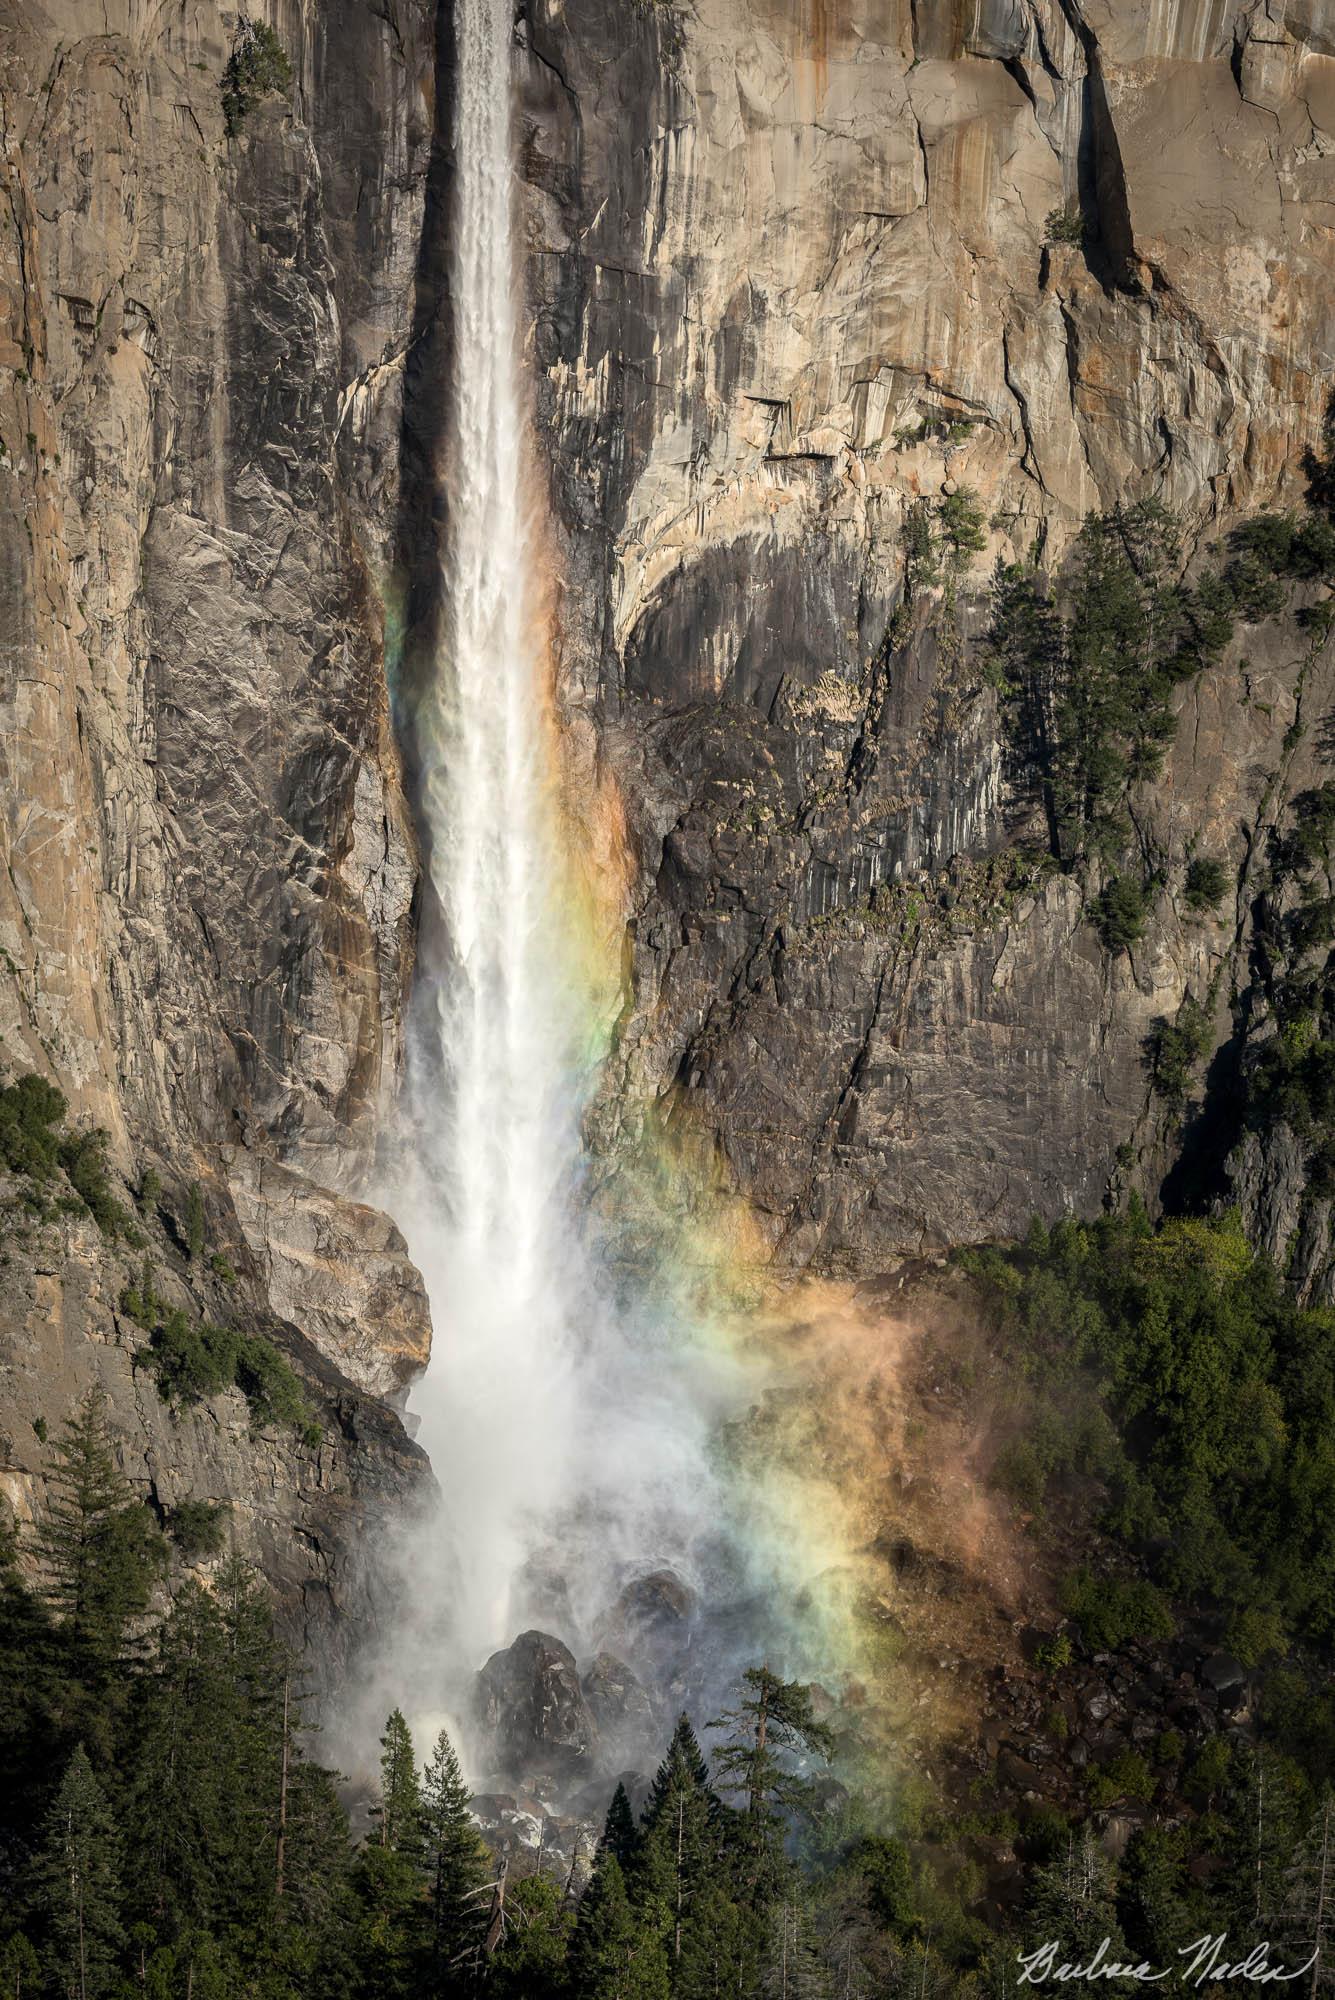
x=1207, y=1960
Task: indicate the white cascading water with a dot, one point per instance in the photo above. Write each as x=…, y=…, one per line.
x=564, y=1439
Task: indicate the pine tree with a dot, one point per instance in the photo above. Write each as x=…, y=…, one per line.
x=210, y=1803
x=456, y=1862
x=613, y=1955
x=679, y=1839
x=37, y=1699
x=1309, y=1901
x=684, y=1764
x=793, y=1970
x=530, y=1961
x=76, y=1874
x=1073, y=1901
x=101, y=1548
x=318, y=1854
x=722, y=1944
x=20, y=1969
x=619, y=1837
x=773, y=1725
x=399, y=1812
x=387, y=1878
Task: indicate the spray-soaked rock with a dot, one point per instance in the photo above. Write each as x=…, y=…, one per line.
x=651, y=1617
x=530, y=1704
x=628, y=1724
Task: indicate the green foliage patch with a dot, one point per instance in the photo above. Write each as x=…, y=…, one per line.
x=192, y=1359
x=1177, y=1388
x=62, y=1168
x=258, y=67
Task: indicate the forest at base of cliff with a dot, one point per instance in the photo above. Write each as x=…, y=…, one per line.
x=166, y=1828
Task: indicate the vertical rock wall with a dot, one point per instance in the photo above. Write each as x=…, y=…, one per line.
x=796, y=267
x=206, y=919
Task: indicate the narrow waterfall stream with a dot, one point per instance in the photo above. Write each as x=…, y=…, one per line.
x=568, y=1433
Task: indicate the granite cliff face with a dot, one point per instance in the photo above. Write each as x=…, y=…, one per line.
x=792, y=268
x=206, y=904
x=795, y=267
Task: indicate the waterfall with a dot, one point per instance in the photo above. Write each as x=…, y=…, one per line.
x=568, y=1433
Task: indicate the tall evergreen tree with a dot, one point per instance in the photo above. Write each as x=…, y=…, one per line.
x=722, y=1944
x=99, y=1542
x=614, y=1955
x=456, y=1863
x=20, y=1969
x=619, y=1836
x=793, y=1968
x=1072, y=1901
x=210, y=1801
x=388, y=1877
x=772, y=1727
x=398, y=1814
x=530, y=1962
x=38, y=1698
x=1309, y=1901
x=679, y=1843
x=76, y=1874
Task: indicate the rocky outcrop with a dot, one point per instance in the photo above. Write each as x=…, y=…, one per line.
x=313, y=1507
x=793, y=270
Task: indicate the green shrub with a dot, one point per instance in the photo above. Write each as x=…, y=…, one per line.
x=196, y=1526
x=84, y=1158
x=1175, y=1048
x=270, y=1385
x=36, y=1145
x=1128, y=1776
x=1064, y=225
x=1051, y=1655
x=1206, y=882
x=1254, y=1631
x=1169, y=1746
x=193, y=1360
x=257, y=67
x=1209, y=1772
x=31, y=1111
x=1111, y=1611
x=1120, y=913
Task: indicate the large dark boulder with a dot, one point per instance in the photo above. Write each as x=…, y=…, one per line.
x=531, y=1707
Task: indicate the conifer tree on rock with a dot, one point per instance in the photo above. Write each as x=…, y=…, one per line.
x=77, y=1880
x=99, y=1542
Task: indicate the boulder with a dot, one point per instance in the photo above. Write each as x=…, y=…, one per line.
x=627, y=1723
x=530, y=1705
x=650, y=1617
